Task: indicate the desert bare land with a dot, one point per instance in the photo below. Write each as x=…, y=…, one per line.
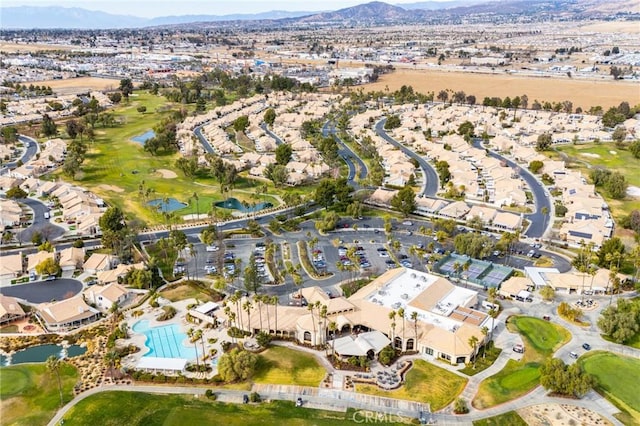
x=72, y=86
x=583, y=93
x=612, y=27
x=31, y=47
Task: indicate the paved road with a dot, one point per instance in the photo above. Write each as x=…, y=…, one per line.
x=541, y=198
x=48, y=230
x=431, y=183
x=346, y=153
x=205, y=143
x=44, y=291
x=275, y=137
x=32, y=148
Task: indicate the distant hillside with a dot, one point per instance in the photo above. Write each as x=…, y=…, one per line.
x=26, y=17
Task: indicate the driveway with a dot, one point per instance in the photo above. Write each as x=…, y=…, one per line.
x=48, y=230
x=44, y=291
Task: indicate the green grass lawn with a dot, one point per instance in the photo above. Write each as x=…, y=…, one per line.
x=510, y=418
x=29, y=393
x=284, y=366
x=133, y=408
x=424, y=382
x=617, y=379
x=113, y=157
x=541, y=339
x=483, y=361
x=622, y=161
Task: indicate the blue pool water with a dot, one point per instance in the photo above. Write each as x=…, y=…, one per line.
x=41, y=353
x=165, y=341
x=234, y=204
x=141, y=139
x=171, y=205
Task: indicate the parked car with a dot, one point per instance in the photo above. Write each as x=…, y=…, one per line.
x=573, y=355
x=586, y=346
x=407, y=223
x=518, y=348
x=212, y=248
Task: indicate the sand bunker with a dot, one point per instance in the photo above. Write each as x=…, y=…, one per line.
x=590, y=155
x=633, y=191
x=167, y=174
x=560, y=415
x=612, y=152
x=112, y=188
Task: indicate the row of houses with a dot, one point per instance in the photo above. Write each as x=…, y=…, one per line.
x=107, y=268
x=67, y=314
x=456, y=210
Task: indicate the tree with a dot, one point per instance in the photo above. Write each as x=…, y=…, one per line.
x=547, y=293
x=16, y=193
x=610, y=249
x=460, y=406
x=283, y=154
x=277, y=173
x=616, y=186
x=126, y=87
x=473, y=342
x=619, y=135
x=53, y=364
x=571, y=380
x=49, y=127
x=48, y=267
x=404, y=201
x=393, y=122
x=269, y=116
x=251, y=277
x=237, y=365
x=535, y=166
x=241, y=123
x=621, y=321
x=112, y=219
x=444, y=175
x=544, y=142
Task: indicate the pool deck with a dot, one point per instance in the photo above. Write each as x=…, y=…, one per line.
x=150, y=314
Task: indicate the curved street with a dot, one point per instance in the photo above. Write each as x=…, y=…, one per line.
x=347, y=154
x=272, y=135
x=31, y=150
x=48, y=230
x=538, y=223
x=431, y=182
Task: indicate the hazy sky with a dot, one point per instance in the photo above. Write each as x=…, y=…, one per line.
x=153, y=8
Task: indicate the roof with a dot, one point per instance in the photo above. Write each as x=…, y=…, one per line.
x=514, y=285
x=11, y=264
x=9, y=306
x=361, y=344
x=157, y=363
x=207, y=307
x=98, y=261
x=68, y=310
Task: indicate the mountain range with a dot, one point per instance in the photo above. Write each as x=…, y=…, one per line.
x=31, y=17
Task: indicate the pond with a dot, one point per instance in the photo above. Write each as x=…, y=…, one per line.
x=169, y=206
x=141, y=139
x=234, y=204
x=41, y=353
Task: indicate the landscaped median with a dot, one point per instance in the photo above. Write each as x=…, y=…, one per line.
x=617, y=379
x=541, y=339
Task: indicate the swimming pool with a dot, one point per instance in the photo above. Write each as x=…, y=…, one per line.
x=165, y=341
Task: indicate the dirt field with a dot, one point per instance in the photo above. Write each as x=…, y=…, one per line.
x=612, y=27
x=72, y=86
x=560, y=415
x=23, y=47
x=583, y=93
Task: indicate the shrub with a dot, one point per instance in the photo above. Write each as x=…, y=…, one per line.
x=254, y=397
x=460, y=406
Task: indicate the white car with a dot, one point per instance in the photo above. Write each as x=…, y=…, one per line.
x=212, y=248
x=407, y=223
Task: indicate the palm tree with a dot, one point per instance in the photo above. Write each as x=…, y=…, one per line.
x=200, y=335
x=111, y=357
x=484, y=330
x=401, y=315
x=473, y=342
x=414, y=318
x=191, y=333
x=258, y=300
x=392, y=317
x=333, y=326
x=195, y=197
x=545, y=213
x=310, y=308
x=274, y=300
x=53, y=365
x=323, y=318
x=247, y=307
x=493, y=313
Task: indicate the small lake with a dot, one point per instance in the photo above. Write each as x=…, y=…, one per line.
x=170, y=205
x=234, y=204
x=141, y=139
x=41, y=353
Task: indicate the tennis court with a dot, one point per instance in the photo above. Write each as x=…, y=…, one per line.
x=480, y=272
